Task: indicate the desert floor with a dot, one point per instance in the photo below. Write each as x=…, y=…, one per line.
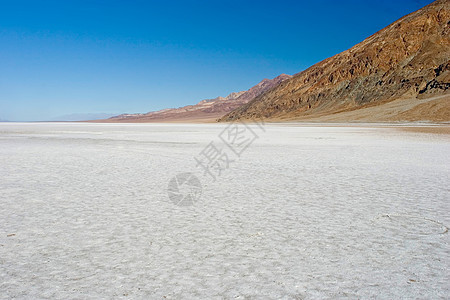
x=295, y=211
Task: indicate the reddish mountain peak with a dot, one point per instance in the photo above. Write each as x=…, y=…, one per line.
x=208, y=108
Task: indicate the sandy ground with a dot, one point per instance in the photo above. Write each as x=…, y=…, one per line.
x=305, y=212
x=428, y=129
x=428, y=109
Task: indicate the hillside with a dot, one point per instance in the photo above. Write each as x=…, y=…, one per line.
x=205, y=110
x=407, y=61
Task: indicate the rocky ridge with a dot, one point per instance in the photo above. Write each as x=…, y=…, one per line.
x=408, y=59
x=208, y=109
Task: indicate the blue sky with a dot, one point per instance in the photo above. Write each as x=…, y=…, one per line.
x=66, y=57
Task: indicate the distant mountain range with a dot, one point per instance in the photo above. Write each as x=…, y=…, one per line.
x=82, y=117
x=205, y=110
x=401, y=73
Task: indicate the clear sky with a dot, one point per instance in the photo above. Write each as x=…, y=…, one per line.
x=63, y=57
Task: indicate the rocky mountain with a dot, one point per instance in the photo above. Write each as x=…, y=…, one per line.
x=231, y=96
x=408, y=61
x=205, y=110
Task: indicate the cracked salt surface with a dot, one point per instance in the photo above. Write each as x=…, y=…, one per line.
x=307, y=212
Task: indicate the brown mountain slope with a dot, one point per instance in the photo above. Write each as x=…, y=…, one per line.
x=205, y=110
x=406, y=60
